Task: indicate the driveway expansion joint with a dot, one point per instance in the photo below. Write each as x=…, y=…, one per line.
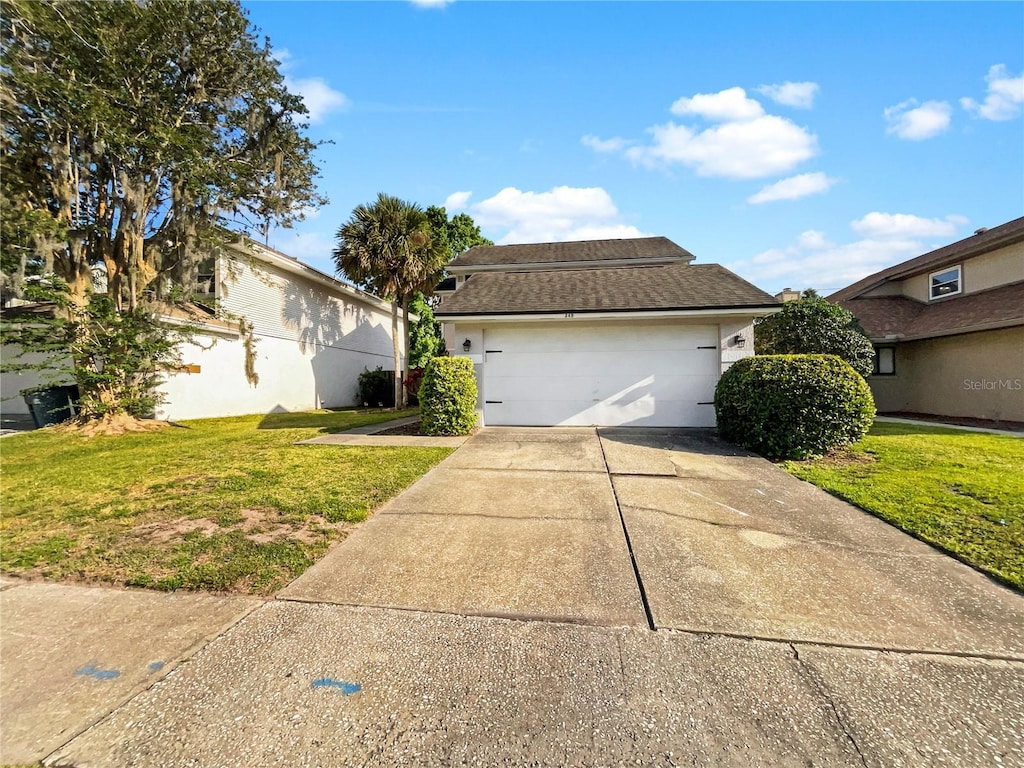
x=511, y=468
x=840, y=646
x=523, y=618
x=490, y=516
x=629, y=544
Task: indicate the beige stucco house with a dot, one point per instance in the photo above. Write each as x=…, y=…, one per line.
x=598, y=332
x=948, y=328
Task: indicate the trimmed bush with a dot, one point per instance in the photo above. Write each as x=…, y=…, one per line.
x=793, y=406
x=815, y=326
x=448, y=397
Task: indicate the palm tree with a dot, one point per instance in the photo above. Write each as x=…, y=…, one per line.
x=386, y=247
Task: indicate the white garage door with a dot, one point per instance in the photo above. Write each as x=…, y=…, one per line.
x=615, y=374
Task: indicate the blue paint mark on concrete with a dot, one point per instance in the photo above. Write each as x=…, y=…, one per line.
x=346, y=688
x=156, y=666
x=91, y=670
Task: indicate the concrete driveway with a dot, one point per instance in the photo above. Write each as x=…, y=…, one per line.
x=533, y=524
x=500, y=612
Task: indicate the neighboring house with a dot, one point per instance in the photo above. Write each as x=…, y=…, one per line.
x=311, y=336
x=601, y=332
x=948, y=328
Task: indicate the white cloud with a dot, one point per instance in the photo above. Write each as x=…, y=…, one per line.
x=456, y=201
x=908, y=120
x=728, y=105
x=814, y=261
x=614, y=144
x=1004, y=98
x=799, y=95
x=813, y=239
x=826, y=268
x=284, y=58
x=905, y=225
x=765, y=146
x=745, y=143
x=562, y=213
x=431, y=3
x=320, y=99
x=793, y=188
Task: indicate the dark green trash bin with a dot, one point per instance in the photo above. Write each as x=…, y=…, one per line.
x=51, y=405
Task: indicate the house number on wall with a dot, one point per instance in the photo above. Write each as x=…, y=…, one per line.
x=568, y=314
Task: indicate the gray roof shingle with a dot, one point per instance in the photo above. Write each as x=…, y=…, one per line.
x=663, y=287
x=883, y=316
x=641, y=248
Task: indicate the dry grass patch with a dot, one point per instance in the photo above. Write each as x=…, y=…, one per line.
x=215, y=504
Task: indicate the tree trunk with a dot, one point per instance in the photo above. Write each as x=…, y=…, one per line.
x=408, y=349
x=396, y=344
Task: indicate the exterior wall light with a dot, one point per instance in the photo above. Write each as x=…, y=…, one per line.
x=739, y=341
x=467, y=345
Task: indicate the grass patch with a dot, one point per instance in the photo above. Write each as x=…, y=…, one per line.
x=961, y=491
x=217, y=504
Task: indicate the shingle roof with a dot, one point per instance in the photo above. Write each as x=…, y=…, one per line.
x=670, y=286
x=989, y=240
x=897, y=315
x=640, y=248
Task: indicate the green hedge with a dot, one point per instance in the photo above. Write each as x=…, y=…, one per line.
x=448, y=397
x=815, y=326
x=793, y=406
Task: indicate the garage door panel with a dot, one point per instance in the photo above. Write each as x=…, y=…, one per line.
x=588, y=339
x=601, y=374
x=639, y=413
x=622, y=386
x=555, y=364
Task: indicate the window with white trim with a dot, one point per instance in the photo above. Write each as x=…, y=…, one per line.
x=944, y=283
x=885, y=361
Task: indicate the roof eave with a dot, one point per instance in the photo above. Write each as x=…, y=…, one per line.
x=753, y=310
x=992, y=326
x=296, y=267
x=891, y=274
x=535, y=266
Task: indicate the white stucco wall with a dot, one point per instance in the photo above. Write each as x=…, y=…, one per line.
x=312, y=343
x=292, y=377
x=730, y=348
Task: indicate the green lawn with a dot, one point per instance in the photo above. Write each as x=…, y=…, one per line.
x=960, y=491
x=217, y=504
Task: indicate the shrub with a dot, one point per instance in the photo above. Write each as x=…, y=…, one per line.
x=375, y=388
x=448, y=397
x=814, y=326
x=793, y=406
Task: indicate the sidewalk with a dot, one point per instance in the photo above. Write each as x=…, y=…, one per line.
x=370, y=435
x=948, y=425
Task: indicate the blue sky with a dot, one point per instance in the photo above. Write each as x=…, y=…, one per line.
x=799, y=144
